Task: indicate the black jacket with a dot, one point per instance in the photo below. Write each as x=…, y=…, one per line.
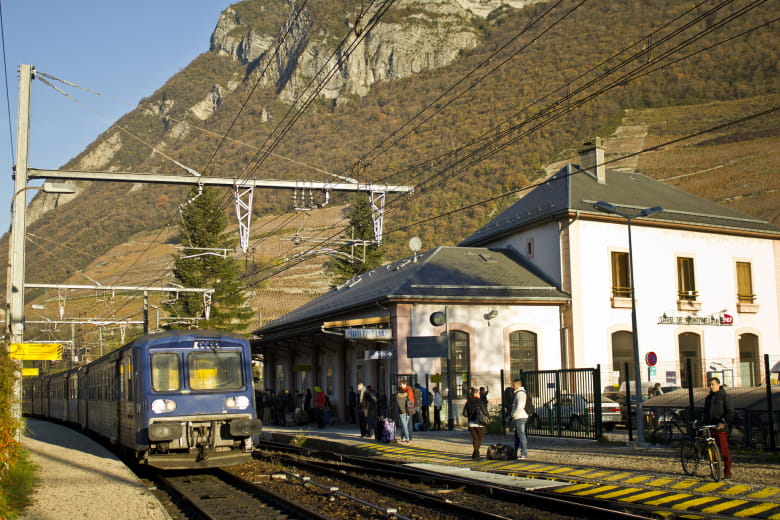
x=471, y=407
x=718, y=408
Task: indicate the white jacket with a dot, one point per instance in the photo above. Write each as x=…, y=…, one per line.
x=518, y=404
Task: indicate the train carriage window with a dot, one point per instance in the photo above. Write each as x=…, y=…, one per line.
x=166, y=370
x=215, y=370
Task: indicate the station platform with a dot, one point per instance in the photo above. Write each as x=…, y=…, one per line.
x=79, y=478
x=649, y=477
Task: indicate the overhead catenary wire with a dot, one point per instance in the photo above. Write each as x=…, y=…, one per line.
x=7, y=90
x=493, y=142
x=605, y=163
x=279, y=41
x=486, y=135
x=380, y=149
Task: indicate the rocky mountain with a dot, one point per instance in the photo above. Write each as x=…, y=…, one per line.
x=468, y=101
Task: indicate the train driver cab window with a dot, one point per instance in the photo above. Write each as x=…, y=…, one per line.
x=166, y=368
x=212, y=370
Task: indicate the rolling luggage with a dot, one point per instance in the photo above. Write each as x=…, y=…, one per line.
x=385, y=430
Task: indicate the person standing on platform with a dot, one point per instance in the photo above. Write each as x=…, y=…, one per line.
x=425, y=401
x=404, y=399
x=366, y=410
x=519, y=418
x=351, y=405
x=719, y=409
x=474, y=408
x=320, y=400
x=437, y=400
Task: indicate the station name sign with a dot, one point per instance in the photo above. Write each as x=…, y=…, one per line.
x=377, y=354
x=722, y=320
x=370, y=334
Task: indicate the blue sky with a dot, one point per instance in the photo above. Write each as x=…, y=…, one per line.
x=124, y=50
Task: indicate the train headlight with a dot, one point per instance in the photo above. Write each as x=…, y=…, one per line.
x=240, y=402
x=163, y=405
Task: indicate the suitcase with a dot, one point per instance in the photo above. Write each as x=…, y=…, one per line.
x=386, y=430
x=501, y=452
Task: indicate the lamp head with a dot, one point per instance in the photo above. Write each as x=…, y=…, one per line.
x=605, y=206
x=650, y=211
x=490, y=315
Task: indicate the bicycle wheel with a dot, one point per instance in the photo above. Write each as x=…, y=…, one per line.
x=715, y=460
x=689, y=457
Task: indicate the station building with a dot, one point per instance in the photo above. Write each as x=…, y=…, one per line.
x=547, y=285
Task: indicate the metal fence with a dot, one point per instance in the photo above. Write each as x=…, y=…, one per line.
x=757, y=413
x=567, y=402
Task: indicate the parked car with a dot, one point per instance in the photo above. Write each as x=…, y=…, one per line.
x=576, y=412
x=620, y=397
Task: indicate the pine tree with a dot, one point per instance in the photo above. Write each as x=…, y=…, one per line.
x=342, y=268
x=203, y=226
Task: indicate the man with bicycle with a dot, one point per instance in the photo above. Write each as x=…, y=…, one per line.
x=719, y=410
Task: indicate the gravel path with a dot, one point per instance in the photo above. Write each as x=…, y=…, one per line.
x=79, y=479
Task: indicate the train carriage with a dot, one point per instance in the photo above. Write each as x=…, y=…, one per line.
x=57, y=400
x=175, y=400
x=72, y=414
x=197, y=400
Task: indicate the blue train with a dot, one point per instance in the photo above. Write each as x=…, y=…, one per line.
x=173, y=400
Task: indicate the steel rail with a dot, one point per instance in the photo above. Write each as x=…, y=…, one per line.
x=213, y=494
x=558, y=504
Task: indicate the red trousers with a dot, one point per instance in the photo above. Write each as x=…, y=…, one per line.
x=722, y=440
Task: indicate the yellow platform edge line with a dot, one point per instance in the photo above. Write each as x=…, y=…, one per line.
x=642, y=496
x=669, y=498
x=694, y=502
x=717, y=508
x=752, y=511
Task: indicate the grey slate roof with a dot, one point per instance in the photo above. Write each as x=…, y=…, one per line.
x=443, y=274
x=572, y=190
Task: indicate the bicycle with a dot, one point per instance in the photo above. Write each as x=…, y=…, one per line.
x=665, y=429
x=701, y=446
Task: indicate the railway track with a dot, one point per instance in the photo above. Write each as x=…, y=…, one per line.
x=610, y=491
x=218, y=495
x=450, y=495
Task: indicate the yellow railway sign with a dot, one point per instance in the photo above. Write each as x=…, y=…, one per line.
x=36, y=351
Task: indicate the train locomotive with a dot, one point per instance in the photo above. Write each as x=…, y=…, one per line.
x=174, y=400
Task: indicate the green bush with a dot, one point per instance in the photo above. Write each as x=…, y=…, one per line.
x=16, y=486
x=16, y=471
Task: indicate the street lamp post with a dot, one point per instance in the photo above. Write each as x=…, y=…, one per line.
x=609, y=208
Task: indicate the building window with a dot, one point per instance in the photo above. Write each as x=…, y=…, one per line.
x=686, y=281
x=745, y=283
x=621, y=275
x=460, y=355
x=522, y=353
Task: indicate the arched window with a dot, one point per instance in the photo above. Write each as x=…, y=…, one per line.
x=460, y=355
x=522, y=352
x=689, y=345
x=748, y=359
x=622, y=354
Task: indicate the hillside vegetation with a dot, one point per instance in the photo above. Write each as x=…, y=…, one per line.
x=532, y=110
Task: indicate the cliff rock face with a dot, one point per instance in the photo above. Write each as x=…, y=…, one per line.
x=415, y=35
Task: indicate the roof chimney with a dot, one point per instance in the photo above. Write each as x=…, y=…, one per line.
x=592, y=159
